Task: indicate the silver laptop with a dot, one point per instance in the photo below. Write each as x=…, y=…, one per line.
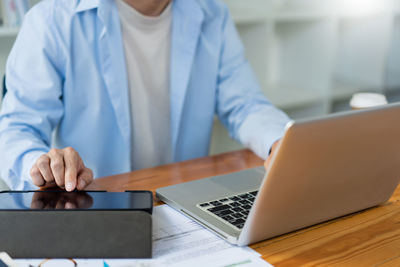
x=324, y=168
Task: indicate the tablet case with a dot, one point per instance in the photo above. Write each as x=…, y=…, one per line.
x=76, y=234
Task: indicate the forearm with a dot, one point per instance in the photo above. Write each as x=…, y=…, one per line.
x=19, y=149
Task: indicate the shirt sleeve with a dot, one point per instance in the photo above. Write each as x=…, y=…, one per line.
x=242, y=108
x=32, y=107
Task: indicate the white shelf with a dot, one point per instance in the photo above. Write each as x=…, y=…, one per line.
x=342, y=91
x=287, y=15
x=296, y=14
x=9, y=31
x=247, y=17
x=289, y=96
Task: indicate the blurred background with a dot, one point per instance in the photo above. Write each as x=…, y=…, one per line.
x=310, y=56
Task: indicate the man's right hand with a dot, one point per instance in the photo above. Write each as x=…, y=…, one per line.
x=63, y=168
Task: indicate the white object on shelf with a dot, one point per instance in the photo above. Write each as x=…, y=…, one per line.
x=367, y=100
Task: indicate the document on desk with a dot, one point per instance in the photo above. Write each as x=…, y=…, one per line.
x=179, y=241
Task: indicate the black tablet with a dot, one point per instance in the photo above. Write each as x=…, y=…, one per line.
x=77, y=200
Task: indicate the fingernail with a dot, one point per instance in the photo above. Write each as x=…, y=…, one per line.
x=69, y=186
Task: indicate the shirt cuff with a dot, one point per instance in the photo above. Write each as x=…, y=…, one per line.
x=23, y=181
x=259, y=132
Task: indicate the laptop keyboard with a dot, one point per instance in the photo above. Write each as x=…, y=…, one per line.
x=233, y=209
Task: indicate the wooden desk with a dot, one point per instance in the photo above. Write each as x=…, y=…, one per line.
x=367, y=238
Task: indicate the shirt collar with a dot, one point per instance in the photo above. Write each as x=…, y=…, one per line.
x=85, y=5
x=104, y=9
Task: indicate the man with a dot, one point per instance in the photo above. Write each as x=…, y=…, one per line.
x=119, y=85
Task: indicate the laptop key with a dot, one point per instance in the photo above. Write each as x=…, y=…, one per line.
x=216, y=203
x=251, y=199
x=234, y=198
x=245, y=212
x=237, y=209
x=244, y=202
x=219, y=208
x=234, y=204
x=245, y=196
x=204, y=205
x=238, y=222
x=237, y=215
x=224, y=200
x=223, y=213
x=228, y=218
x=233, y=219
x=246, y=207
x=240, y=226
x=254, y=193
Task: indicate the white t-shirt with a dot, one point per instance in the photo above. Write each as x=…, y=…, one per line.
x=147, y=53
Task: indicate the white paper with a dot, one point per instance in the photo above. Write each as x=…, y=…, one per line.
x=178, y=241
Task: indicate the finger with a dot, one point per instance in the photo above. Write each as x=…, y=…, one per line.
x=49, y=185
x=37, y=204
x=70, y=197
x=36, y=176
x=71, y=159
x=70, y=206
x=38, y=200
x=57, y=166
x=43, y=164
x=85, y=178
x=84, y=200
x=37, y=196
x=60, y=205
x=48, y=206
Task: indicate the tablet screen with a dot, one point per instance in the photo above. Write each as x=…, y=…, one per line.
x=78, y=200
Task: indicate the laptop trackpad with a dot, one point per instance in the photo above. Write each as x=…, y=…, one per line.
x=238, y=182
x=192, y=193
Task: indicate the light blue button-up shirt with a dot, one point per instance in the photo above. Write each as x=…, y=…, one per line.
x=67, y=82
